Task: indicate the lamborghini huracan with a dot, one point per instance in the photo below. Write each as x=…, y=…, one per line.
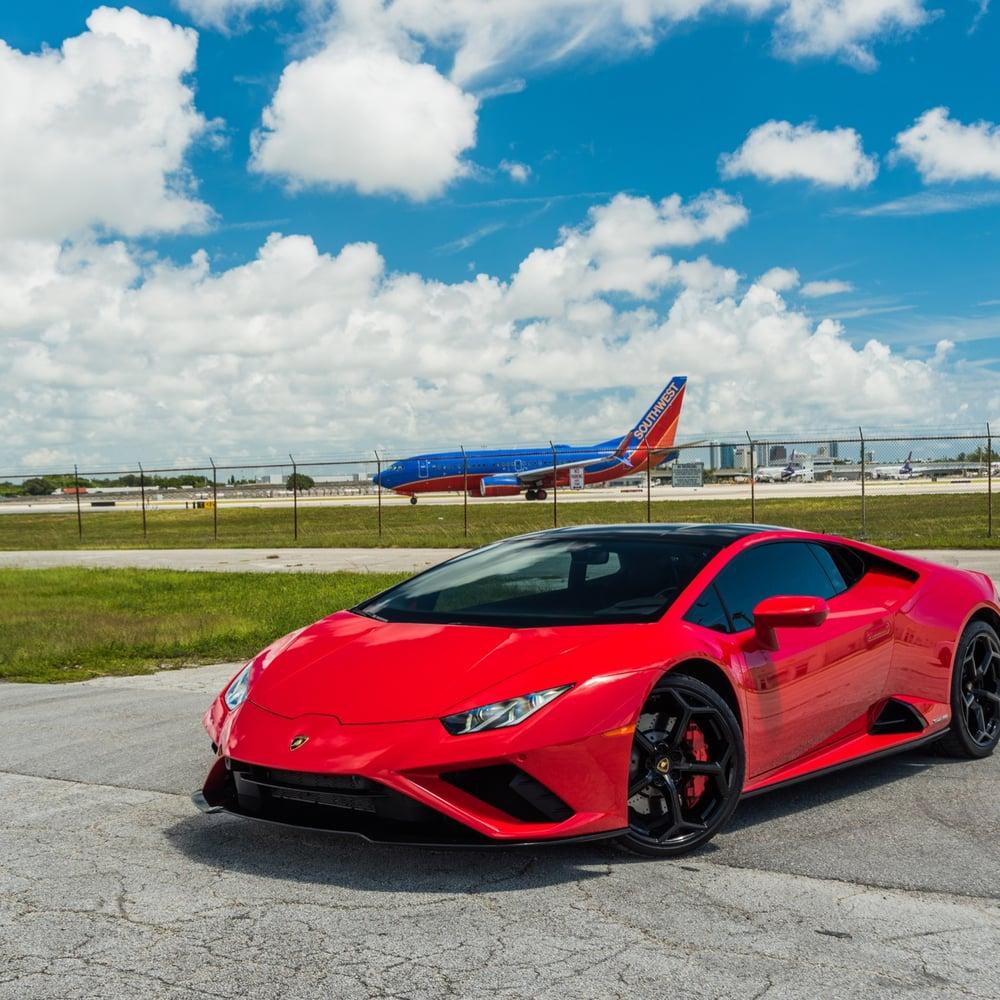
x=630, y=682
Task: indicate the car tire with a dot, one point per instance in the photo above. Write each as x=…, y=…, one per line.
x=975, y=688
x=686, y=770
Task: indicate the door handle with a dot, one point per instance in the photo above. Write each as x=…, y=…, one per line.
x=877, y=632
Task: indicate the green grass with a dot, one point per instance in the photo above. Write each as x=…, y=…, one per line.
x=917, y=521
x=71, y=624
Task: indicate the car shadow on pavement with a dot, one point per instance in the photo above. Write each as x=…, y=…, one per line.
x=266, y=851
x=816, y=792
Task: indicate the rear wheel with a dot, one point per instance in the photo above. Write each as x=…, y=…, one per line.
x=530, y=495
x=975, y=695
x=540, y=494
x=686, y=773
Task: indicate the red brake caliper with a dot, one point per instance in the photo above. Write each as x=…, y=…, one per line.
x=697, y=749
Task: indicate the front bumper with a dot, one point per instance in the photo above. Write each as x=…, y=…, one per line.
x=558, y=776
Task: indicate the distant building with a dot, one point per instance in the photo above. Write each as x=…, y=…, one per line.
x=833, y=449
x=777, y=453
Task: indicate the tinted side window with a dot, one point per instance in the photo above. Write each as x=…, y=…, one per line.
x=830, y=567
x=766, y=571
x=708, y=612
x=851, y=565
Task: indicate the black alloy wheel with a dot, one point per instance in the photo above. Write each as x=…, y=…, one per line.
x=686, y=772
x=975, y=694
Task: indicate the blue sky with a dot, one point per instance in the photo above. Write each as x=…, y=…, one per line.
x=644, y=112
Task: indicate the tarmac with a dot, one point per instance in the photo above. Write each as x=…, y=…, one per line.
x=304, y=560
x=878, y=882
x=281, y=498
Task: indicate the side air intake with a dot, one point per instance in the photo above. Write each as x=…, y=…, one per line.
x=898, y=717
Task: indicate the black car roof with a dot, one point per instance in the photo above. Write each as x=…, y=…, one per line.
x=712, y=534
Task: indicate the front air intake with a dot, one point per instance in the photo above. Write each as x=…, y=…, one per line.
x=512, y=791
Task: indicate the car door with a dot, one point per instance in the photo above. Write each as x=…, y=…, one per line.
x=817, y=687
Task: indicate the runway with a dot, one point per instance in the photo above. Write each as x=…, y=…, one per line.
x=736, y=491
x=309, y=560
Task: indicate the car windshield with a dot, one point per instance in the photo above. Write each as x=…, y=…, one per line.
x=534, y=582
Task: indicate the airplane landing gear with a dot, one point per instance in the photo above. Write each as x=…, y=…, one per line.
x=530, y=494
x=540, y=494
x=413, y=499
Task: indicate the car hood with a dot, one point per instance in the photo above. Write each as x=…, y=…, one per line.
x=365, y=671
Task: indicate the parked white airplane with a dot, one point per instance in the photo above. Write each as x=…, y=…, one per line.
x=904, y=471
x=785, y=473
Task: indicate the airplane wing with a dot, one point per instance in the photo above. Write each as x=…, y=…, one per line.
x=533, y=475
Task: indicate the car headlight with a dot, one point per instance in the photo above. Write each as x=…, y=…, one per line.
x=501, y=714
x=236, y=693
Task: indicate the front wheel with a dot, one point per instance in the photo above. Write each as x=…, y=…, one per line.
x=975, y=695
x=686, y=772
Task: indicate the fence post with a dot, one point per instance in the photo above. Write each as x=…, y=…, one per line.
x=76, y=489
x=465, y=492
x=215, y=500
x=753, y=484
x=989, y=481
x=864, y=505
x=142, y=495
x=555, y=487
x=295, y=496
x=378, y=490
x=649, y=497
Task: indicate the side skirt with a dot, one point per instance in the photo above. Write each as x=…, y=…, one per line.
x=844, y=765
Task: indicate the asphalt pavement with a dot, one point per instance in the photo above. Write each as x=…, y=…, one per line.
x=881, y=881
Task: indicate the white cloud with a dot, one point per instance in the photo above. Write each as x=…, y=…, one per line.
x=618, y=251
x=845, y=28
x=519, y=172
x=368, y=118
x=367, y=113
x=110, y=354
x=488, y=37
x=95, y=133
x=779, y=150
x=780, y=279
x=224, y=14
x=943, y=149
x=820, y=289
x=930, y=203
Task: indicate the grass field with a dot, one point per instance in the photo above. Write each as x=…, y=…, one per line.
x=919, y=521
x=71, y=624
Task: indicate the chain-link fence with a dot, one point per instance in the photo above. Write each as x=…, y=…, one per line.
x=916, y=490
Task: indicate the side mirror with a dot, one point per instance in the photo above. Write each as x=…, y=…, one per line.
x=786, y=612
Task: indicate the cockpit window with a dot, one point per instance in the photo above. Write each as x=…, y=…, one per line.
x=554, y=581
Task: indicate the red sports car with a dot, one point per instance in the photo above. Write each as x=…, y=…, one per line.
x=632, y=682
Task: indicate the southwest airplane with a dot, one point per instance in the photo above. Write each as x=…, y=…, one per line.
x=499, y=473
